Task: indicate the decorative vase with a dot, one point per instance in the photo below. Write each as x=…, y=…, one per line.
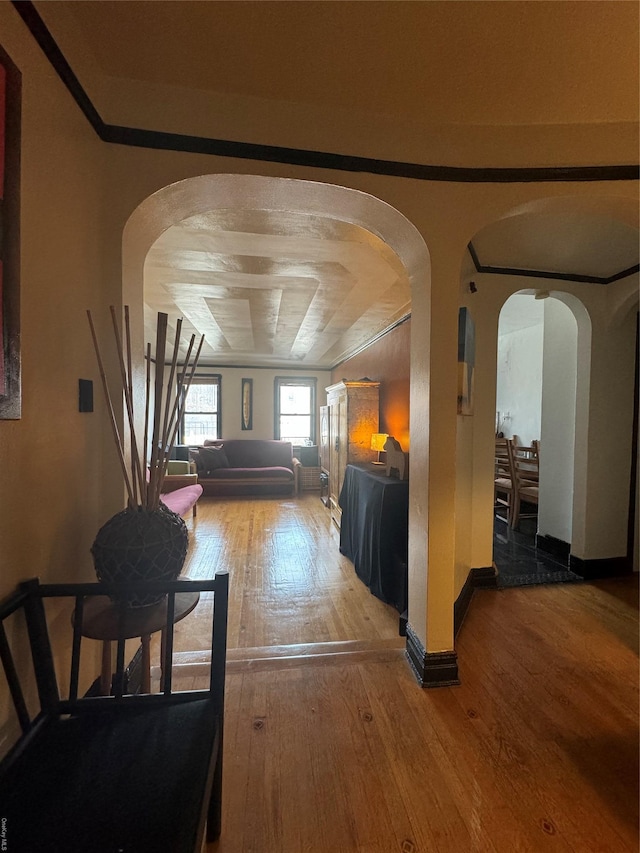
x=139, y=545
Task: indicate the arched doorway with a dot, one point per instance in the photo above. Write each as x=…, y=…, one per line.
x=377, y=224
x=536, y=397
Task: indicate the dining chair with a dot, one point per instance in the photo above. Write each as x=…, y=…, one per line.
x=503, y=484
x=525, y=468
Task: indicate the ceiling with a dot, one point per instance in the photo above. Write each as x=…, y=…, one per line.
x=572, y=244
x=272, y=288
x=299, y=289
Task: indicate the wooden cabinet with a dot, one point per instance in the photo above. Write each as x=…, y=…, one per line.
x=353, y=418
x=324, y=453
x=323, y=445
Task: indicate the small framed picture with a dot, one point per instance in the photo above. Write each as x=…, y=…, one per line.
x=247, y=404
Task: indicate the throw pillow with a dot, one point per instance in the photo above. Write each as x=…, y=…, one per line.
x=212, y=458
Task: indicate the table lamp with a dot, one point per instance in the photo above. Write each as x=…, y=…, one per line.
x=378, y=440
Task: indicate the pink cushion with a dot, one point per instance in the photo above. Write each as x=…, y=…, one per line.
x=181, y=501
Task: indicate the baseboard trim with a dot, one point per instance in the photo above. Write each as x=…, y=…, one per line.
x=481, y=578
x=438, y=669
x=556, y=547
x=608, y=567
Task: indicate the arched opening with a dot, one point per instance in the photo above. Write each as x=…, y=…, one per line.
x=378, y=224
x=538, y=375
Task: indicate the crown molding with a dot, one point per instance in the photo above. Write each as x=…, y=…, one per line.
x=558, y=276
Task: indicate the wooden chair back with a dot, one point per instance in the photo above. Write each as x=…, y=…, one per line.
x=503, y=486
x=525, y=475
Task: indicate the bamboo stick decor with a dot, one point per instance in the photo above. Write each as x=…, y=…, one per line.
x=144, y=479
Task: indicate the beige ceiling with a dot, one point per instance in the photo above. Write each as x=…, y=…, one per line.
x=570, y=243
x=274, y=288
x=464, y=62
x=305, y=290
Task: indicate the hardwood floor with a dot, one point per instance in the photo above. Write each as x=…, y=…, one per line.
x=333, y=748
x=289, y=585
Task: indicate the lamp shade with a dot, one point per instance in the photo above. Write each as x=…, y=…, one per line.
x=378, y=440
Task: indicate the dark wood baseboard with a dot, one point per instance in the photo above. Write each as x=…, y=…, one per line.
x=481, y=578
x=608, y=567
x=438, y=669
x=557, y=547
x=402, y=623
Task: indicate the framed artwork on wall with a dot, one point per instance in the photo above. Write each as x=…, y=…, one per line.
x=10, y=366
x=466, y=361
x=247, y=404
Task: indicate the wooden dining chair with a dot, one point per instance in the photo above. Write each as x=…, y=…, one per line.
x=525, y=467
x=503, y=484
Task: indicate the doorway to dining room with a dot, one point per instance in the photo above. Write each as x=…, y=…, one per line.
x=537, y=369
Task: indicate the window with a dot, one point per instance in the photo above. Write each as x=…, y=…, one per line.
x=295, y=410
x=202, y=414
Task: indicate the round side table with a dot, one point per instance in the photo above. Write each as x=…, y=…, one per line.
x=101, y=621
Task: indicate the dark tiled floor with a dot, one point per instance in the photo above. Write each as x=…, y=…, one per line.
x=520, y=563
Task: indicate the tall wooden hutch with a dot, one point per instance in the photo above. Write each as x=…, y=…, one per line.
x=351, y=417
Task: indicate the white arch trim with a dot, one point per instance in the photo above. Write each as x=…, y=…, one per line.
x=183, y=199
x=200, y=194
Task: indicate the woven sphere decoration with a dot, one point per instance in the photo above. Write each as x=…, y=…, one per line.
x=140, y=545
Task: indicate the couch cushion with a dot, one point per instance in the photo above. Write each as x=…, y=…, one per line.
x=209, y=459
x=181, y=501
x=285, y=474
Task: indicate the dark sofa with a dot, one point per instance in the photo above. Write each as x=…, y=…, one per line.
x=246, y=467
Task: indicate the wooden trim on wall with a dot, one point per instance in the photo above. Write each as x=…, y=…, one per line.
x=558, y=547
x=607, y=567
x=436, y=669
x=295, y=156
x=547, y=274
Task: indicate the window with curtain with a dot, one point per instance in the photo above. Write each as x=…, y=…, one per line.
x=295, y=407
x=202, y=413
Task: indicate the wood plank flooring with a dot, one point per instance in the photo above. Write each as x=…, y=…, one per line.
x=333, y=748
x=289, y=584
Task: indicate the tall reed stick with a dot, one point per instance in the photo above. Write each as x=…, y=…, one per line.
x=154, y=475
x=126, y=385
x=180, y=402
x=112, y=418
x=163, y=417
x=145, y=443
x=171, y=392
x=137, y=463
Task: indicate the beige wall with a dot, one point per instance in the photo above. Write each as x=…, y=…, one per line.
x=387, y=361
x=54, y=460
x=263, y=398
x=56, y=484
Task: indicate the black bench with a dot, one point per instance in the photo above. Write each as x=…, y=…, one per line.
x=138, y=773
